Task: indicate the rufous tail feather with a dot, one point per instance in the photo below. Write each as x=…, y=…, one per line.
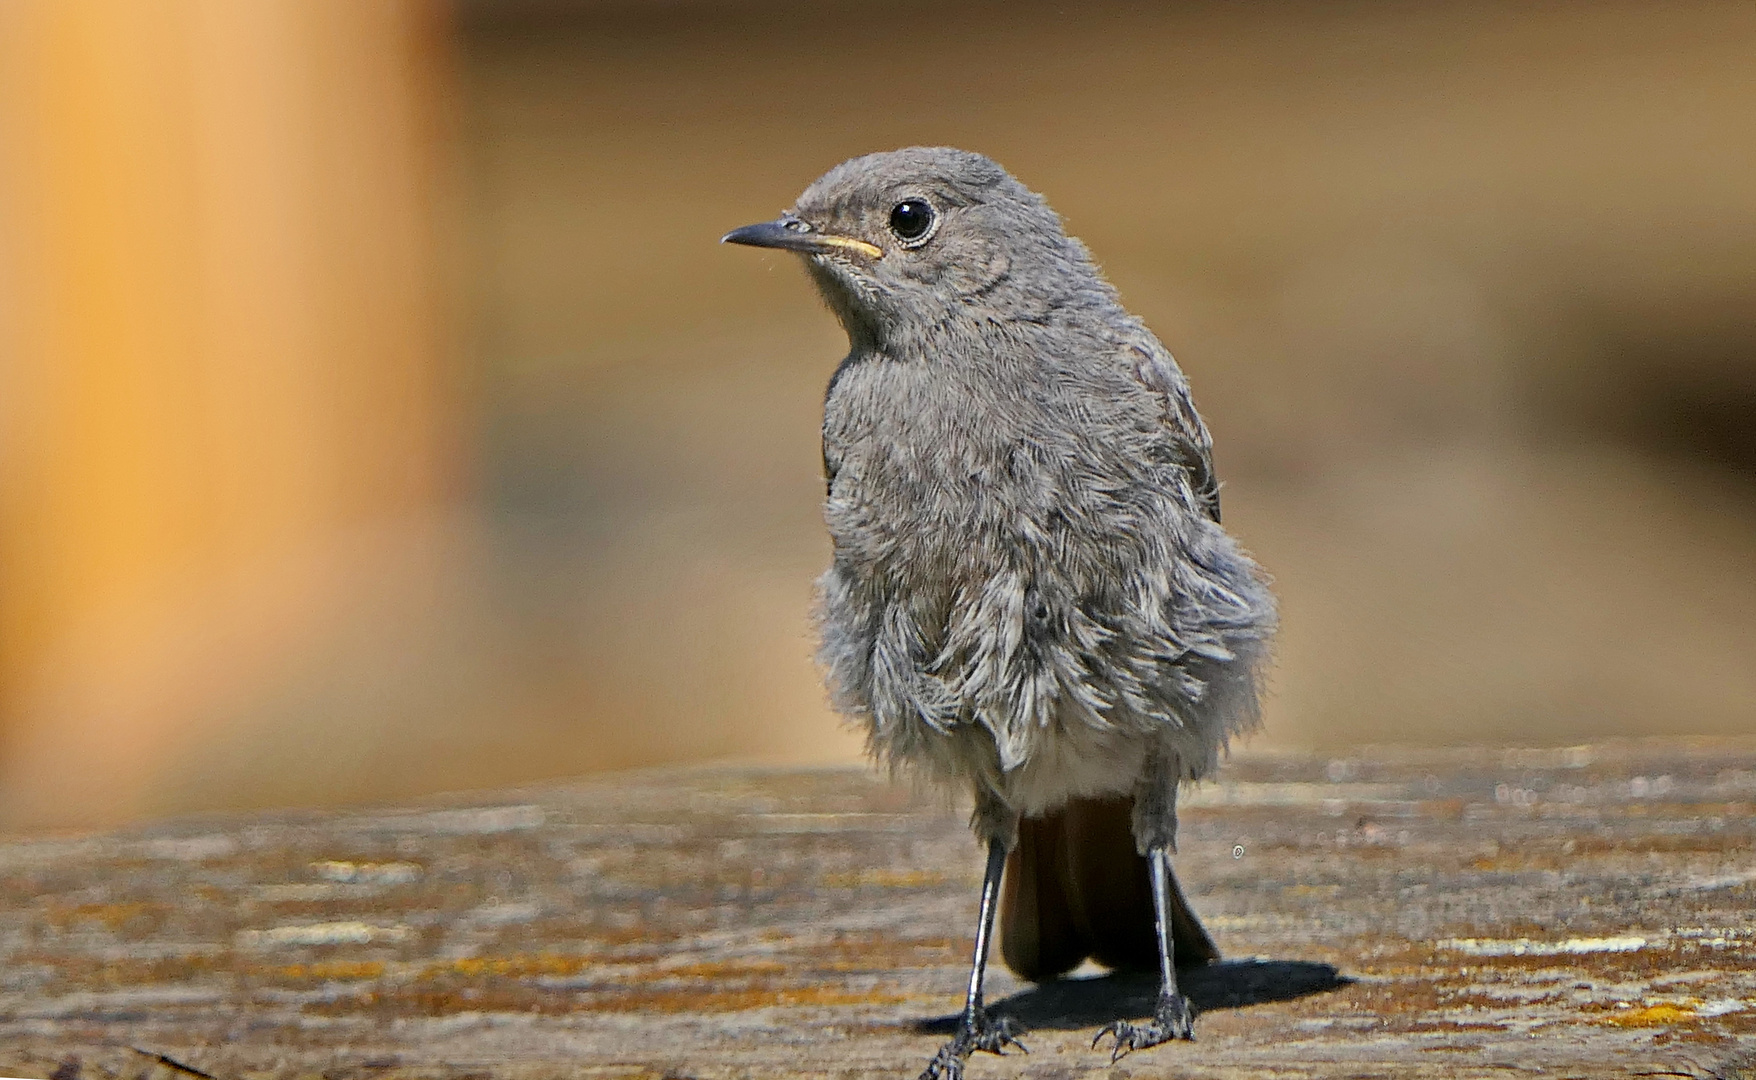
x=1075, y=888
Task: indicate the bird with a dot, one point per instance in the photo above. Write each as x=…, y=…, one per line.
x=1031, y=596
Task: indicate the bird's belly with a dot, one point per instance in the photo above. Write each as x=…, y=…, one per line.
x=1075, y=762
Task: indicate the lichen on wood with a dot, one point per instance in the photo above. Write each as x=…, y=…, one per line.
x=1581, y=912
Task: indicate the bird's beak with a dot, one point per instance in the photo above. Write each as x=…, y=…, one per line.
x=791, y=234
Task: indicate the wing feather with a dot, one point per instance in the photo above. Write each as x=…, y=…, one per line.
x=1191, y=445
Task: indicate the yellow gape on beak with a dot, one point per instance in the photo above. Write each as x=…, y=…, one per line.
x=789, y=233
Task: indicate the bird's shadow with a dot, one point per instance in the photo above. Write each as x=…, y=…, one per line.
x=1069, y=1004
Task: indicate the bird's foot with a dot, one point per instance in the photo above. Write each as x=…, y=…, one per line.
x=1172, y=1020
x=977, y=1031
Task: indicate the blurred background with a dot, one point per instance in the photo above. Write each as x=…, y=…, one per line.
x=378, y=414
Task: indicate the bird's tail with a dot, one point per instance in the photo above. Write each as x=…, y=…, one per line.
x=1075, y=887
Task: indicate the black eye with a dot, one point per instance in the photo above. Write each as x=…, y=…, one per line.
x=911, y=219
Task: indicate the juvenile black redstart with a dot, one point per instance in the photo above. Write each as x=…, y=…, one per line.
x=1031, y=592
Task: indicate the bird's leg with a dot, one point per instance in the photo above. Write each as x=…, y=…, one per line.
x=1172, y=1018
x=1155, y=830
x=976, y=1030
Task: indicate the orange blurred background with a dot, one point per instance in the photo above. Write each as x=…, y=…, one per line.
x=378, y=414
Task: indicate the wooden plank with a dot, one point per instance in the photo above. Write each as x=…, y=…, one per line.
x=1576, y=912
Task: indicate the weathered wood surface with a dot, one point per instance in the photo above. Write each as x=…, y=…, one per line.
x=1581, y=912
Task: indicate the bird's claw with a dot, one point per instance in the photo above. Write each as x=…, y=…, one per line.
x=1172, y=1020
x=981, y=1032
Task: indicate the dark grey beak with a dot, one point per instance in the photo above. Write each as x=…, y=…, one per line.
x=791, y=234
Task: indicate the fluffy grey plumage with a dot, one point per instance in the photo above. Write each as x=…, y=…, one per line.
x=1031, y=591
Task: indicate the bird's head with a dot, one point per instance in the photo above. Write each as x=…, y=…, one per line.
x=918, y=238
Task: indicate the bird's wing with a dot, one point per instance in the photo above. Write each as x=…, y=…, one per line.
x=831, y=465
x=1190, y=442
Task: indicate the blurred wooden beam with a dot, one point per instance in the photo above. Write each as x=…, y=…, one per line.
x=219, y=279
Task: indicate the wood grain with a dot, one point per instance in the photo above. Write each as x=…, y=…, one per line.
x=1578, y=912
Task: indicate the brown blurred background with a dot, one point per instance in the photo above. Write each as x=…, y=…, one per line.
x=378, y=414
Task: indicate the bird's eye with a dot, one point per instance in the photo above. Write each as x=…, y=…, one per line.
x=912, y=220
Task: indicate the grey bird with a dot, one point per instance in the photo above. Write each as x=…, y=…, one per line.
x=1031, y=594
